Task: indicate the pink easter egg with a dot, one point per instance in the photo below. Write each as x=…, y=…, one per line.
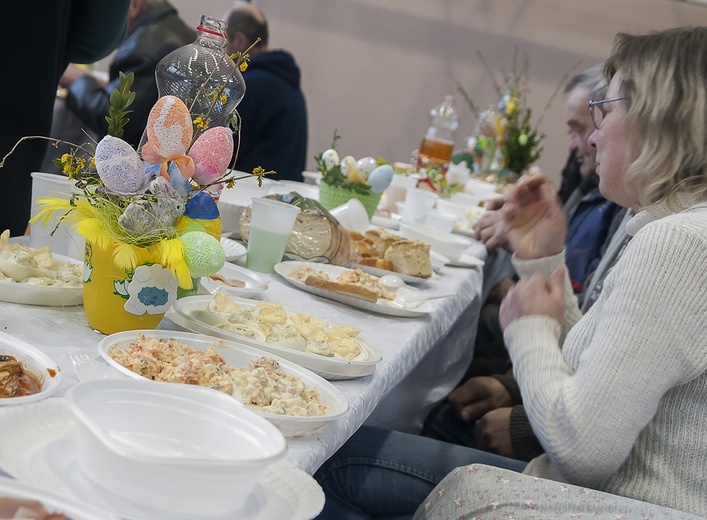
x=119, y=166
x=169, y=128
x=213, y=151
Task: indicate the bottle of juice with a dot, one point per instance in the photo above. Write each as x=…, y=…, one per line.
x=438, y=144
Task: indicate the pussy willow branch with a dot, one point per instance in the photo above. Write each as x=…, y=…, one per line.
x=55, y=142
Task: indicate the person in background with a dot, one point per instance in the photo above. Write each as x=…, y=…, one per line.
x=273, y=111
x=43, y=37
x=486, y=411
x=617, y=397
x=154, y=30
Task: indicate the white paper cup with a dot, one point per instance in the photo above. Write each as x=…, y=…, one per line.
x=418, y=204
x=397, y=190
x=271, y=223
x=440, y=220
x=352, y=215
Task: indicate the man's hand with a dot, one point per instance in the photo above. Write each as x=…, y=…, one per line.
x=536, y=295
x=535, y=223
x=493, y=432
x=490, y=229
x=478, y=396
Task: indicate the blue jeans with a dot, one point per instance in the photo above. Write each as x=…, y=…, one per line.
x=388, y=474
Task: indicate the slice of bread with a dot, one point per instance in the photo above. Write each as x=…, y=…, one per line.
x=344, y=288
x=411, y=257
x=380, y=263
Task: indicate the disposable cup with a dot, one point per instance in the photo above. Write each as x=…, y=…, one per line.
x=271, y=223
x=352, y=215
x=397, y=189
x=418, y=203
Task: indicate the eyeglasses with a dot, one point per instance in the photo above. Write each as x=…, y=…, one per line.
x=596, y=109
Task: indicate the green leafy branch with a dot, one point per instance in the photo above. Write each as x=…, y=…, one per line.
x=120, y=99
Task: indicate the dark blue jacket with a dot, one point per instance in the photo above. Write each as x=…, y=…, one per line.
x=274, y=117
x=587, y=231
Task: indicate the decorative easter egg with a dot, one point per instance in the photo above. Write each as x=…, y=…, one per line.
x=169, y=128
x=350, y=169
x=119, y=166
x=366, y=165
x=330, y=158
x=212, y=153
x=201, y=205
x=202, y=253
x=380, y=178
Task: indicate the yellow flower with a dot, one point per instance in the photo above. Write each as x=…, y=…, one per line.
x=243, y=66
x=200, y=122
x=92, y=164
x=223, y=99
x=233, y=56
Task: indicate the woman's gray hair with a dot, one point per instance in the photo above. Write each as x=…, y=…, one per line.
x=664, y=78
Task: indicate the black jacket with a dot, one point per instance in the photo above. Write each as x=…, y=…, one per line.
x=157, y=33
x=274, y=117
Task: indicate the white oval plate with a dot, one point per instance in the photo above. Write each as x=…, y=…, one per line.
x=285, y=268
x=36, y=362
x=327, y=367
x=254, y=283
x=26, y=294
x=38, y=446
x=237, y=355
x=382, y=272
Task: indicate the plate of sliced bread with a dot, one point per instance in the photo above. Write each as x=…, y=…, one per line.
x=353, y=287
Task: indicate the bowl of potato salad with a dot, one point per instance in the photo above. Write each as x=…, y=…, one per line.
x=334, y=351
x=294, y=399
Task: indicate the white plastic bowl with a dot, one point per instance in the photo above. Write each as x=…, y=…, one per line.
x=177, y=448
x=450, y=245
x=238, y=355
x=36, y=362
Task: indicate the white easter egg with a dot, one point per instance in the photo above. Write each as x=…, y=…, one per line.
x=119, y=166
x=330, y=158
x=380, y=178
x=366, y=165
x=350, y=169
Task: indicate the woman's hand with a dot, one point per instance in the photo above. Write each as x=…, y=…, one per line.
x=490, y=229
x=534, y=296
x=535, y=224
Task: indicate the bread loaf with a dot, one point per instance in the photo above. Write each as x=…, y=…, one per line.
x=411, y=257
x=344, y=288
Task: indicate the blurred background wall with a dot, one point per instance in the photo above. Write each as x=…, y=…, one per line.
x=374, y=68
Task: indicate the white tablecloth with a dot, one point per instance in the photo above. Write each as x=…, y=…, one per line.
x=423, y=358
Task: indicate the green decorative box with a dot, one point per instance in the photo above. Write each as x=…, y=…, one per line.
x=332, y=196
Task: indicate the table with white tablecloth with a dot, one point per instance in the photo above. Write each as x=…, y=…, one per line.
x=423, y=357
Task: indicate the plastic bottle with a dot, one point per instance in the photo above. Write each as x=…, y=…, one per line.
x=196, y=72
x=438, y=144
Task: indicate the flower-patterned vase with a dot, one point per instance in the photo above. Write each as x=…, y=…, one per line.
x=117, y=299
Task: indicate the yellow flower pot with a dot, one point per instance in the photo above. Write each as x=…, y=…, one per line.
x=333, y=196
x=117, y=299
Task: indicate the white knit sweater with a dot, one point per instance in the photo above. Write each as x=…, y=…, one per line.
x=621, y=406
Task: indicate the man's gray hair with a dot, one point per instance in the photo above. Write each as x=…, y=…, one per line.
x=592, y=79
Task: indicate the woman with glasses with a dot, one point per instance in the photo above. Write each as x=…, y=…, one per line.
x=617, y=398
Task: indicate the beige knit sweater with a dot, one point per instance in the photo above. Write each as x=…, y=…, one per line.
x=621, y=406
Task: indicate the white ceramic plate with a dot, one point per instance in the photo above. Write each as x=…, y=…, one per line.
x=285, y=268
x=327, y=367
x=38, y=446
x=382, y=272
x=36, y=362
x=52, y=502
x=14, y=292
x=237, y=355
x=254, y=283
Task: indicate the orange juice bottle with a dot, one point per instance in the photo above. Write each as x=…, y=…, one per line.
x=438, y=144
